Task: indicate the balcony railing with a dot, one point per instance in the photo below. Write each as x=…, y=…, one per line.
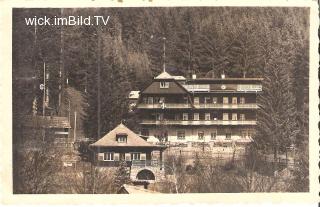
x=200, y=106
x=145, y=163
x=164, y=106
x=134, y=163
x=199, y=122
x=227, y=106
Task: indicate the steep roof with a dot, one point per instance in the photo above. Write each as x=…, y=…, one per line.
x=164, y=75
x=133, y=140
x=46, y=122
x=174, y=88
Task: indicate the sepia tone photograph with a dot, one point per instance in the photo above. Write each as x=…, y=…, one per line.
x=161, y=100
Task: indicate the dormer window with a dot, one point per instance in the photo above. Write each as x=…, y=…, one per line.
x=164, y=84
x=122, y=138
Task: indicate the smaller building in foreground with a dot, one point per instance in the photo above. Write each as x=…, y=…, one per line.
x=145, y=160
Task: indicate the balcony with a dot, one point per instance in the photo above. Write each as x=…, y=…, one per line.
x=198, y=106
x=199, y=122
x=226, y=106
x=164, y=106
x=133, y=163
x=145, y=163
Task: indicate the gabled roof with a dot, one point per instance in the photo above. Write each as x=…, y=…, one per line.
x=46, y=122
x=164, y=75
x=133, y=140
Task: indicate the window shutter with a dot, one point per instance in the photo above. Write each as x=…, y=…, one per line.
x=143, y=156
x=116, y=156
x=100, y=156
x=128, y=156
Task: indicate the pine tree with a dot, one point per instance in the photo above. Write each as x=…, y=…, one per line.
x=114, y=88
x=122, y=175
x=187, y=39
x=277, y=126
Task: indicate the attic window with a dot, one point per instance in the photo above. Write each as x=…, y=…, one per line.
x=164, y=84
x=122, y=138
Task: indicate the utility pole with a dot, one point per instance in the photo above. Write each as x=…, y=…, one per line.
x=44, y=90
x=61, y=69
x=99, y=105
x=98, y=82
x=75, y=127
x=69, y=110
x=189, y=62
x=164, y=54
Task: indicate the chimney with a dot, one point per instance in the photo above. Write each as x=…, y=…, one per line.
x=194, y=76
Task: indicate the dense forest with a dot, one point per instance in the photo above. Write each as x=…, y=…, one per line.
x=105, y=62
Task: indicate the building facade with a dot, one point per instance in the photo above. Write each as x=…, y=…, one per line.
x=144, y=160
x=175, y=109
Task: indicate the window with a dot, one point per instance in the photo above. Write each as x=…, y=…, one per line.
x=196, y=100
x=225, y=116
x=145, y=132
x=156, y=100
x=242, y=117
x=145, y=100
x=243, y=134
x=225, y=100
x=207, y=116
x=177, y=117
x=185, y=100
x=161, y=100
x=214, y=100
x=234, y=100
x=150, y=100
x=164, y=84
x=200, y=135
x=213, y=135
x=215, y=116
x=228, y=135
x=122, y=138
x=242, y=100
x=159, y=117
x=122, y=156
x=206, y=100
x=135, y=156
x=108, y=156
x=234, y=117
x=196, y=116
x=180, y=134
x=185, y=116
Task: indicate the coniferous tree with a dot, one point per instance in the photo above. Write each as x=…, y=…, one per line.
x=277, y=126
x=122, y=175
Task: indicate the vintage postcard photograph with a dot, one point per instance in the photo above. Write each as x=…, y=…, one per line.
x=162, y=100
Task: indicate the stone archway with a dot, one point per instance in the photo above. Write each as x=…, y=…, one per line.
x=145, y=175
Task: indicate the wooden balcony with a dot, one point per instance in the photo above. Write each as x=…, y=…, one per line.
x=133, y=163
x=199, y=122
x=226, y=106
x=198, y=106
x=164, y=106
x=145, y=163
